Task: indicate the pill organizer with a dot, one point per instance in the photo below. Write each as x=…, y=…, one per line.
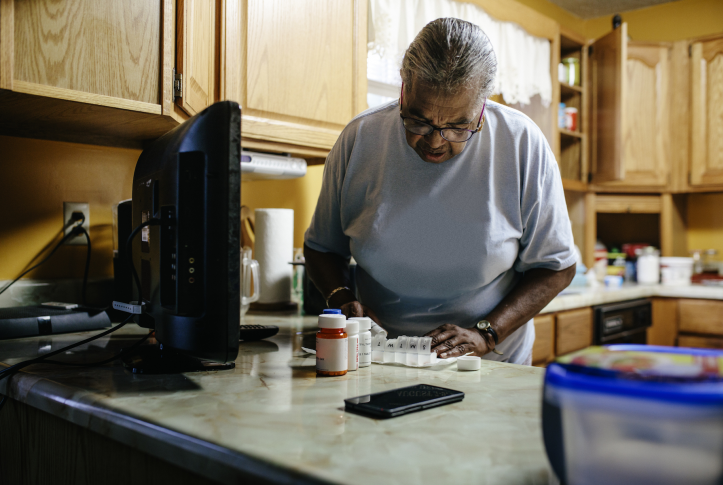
x=404, y=350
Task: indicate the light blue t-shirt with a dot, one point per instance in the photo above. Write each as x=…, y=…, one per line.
x=443, y=243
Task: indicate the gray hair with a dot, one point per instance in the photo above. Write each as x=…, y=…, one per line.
x=451, y=54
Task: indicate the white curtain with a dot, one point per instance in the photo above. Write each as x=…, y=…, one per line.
x=523, y=61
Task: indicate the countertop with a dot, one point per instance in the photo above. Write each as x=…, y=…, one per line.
x=586, y=296
x=272, y=417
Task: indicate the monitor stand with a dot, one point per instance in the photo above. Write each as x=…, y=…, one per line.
x=154, y=359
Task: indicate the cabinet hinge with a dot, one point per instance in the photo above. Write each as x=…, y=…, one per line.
x=589, y=51
x=589, y=177
x=177, y=84
x=690, y=50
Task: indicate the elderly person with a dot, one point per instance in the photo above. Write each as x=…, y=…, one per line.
x=452, y=206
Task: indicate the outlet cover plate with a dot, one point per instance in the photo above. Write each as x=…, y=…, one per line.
x=68, y=209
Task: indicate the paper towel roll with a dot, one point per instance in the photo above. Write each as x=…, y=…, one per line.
x=274, y=251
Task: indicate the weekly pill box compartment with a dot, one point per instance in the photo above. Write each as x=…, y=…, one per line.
x=600, y=429
x=408, y=351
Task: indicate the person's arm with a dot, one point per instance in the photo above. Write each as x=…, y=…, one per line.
x=533, y=292
x=329, y=271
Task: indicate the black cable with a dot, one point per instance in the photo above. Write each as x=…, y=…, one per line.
x=87, y=261
x=65, y=238
x=77, y=230
x=129, y=253
x=8, y=371
x=123, y=353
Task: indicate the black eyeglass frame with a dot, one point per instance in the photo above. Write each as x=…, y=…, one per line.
x=432, y=128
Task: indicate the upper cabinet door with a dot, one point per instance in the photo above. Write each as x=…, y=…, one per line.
x=706, y=149
x=647, y=120
x=196, y=53
x=607, y=72
x=305, y=69
x=86, y=71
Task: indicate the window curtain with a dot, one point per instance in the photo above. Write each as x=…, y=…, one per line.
x=523, y=61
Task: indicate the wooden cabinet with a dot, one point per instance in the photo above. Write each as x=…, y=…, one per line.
x=573, y=144
x=664, y=328
x=573, y=330
x=700, y=342
x=304, y=70
x=706, y=85
x=615, y=219
x=630, y=98
x=86, y=71
x=543, y=350
x=195, y=54
x=701, y=316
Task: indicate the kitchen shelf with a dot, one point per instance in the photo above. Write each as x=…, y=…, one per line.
x=573, y=134
x=567, y=89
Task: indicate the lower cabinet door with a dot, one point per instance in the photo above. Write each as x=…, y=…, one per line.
x=544, y=349
x=700, y=342
x=574, y=330
x=701, y=316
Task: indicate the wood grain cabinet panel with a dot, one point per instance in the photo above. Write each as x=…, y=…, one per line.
x=87, y=71
x=706, y=148
x=700, y=342
x=701, y=316
x=646, y=140
x=631, y=126
x=664, y=329
x=305, y=69
x=543, y=350
x=574, y=330
x=106, y=48
x=195, y=54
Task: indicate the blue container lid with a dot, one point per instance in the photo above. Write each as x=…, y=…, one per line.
x=585, y=379
x=331, y=311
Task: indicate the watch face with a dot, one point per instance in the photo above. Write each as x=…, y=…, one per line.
x=483, y=325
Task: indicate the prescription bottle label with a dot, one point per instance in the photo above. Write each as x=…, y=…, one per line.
x=332, y=355
x=365, y=349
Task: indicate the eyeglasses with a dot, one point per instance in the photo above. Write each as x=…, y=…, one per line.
x=454, y=135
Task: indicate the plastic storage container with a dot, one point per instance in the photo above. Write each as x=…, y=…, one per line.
x=676, y=271
x=656, y=417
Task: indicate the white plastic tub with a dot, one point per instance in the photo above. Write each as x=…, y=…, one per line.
x=676, y=271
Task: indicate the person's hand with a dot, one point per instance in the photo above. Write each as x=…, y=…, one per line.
x=356, y=309
x=452, y=341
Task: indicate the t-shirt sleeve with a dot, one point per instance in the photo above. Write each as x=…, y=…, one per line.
x=546, y=240
x=325, y=233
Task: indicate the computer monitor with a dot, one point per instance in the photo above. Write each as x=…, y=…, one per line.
x=189, y=263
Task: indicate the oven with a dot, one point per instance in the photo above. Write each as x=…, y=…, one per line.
x=622, y=323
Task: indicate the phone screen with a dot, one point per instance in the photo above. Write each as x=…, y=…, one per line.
x=406, y=399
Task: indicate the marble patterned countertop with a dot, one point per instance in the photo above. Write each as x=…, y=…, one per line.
x=272, y=417
x=585, y=296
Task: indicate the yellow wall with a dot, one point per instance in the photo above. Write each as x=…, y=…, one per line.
x=36, y=177
x=299, y=194
x=705, y=222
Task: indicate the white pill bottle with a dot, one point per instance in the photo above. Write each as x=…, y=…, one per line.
x=352, y=332
x=365, y=340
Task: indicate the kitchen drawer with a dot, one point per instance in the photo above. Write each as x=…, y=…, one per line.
x=633, y=204
x=543, y=350
x=700, y=316
x=700, y=342
x=574, y=330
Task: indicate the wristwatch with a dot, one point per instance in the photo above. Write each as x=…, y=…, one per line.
x=486, y=327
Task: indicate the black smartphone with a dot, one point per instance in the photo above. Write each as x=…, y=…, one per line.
x=405, y=400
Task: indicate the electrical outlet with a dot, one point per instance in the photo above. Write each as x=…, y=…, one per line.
x=68, y=209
